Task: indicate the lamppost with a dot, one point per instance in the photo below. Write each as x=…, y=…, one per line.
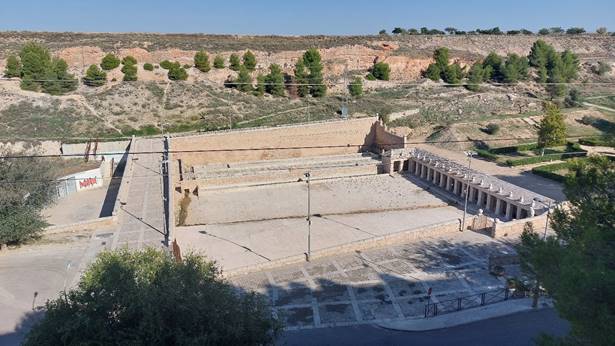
x=309, y=219
x=544, y=236
x=469, y=154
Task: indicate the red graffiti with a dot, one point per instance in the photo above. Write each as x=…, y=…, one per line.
x=87, y=182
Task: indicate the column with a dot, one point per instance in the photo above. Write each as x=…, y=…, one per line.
x=481, y=199
x=518, y=216
x=489, y=201
x=508, y=210
x=442, y=180
x=417, y=168
x=434, y=178
x=455, y=186
x=411, y=165
x=498, y=206
x=422, y=170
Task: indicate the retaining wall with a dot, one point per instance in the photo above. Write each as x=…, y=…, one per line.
x=513, y=229
x=93, y=224
x=324, y=138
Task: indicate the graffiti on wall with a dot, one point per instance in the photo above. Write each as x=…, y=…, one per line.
x=87, y=182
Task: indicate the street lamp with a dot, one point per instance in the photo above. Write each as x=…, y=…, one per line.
x=544, y=235
x=309, y=219
x=469, y=154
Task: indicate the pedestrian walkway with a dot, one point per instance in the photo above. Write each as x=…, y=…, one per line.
x=141, y=216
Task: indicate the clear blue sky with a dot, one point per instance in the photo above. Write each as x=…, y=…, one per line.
x=294, y=17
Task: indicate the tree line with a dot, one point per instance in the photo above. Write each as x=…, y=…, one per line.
x=495, y=31
x=550, y=66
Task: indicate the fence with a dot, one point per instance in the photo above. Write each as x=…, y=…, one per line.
x=471, y=301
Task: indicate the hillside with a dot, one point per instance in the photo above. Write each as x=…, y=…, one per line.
x=202, y=103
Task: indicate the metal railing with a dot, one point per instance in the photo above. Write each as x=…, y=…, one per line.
x=471, y=301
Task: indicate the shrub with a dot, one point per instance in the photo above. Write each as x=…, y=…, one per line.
x=249, y=60
x=94, y=76
x=475, y=77
x=486, y=154
x=601, y=69
x=148, y=67
x=597, y=141
x=589, y=120
x=13, y=67
x=166, y=64
x=41, y=72
x=453, y=74
x=355, y=88
x=575, y=31
x=370, y=77
x=492, y=128
x=109, y=62
x=313, y=63
x=244, y=80
x=381, y=70
x=514, y=148
x=543, y=31
x=129, y=60
x=548, y=171
x=543, y=158
x=187, y=66
x=218, y=62
x=130, y=72
x=176, y=72
x=234, y=63
x=201, y=61
x=275, y=81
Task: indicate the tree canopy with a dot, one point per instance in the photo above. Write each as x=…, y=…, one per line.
x=177, y=72
x=301, y=78
x=575, y=265
x=244, y=80
x=94, y=76
x=41, y=72
x=109, y=62
x=218, y=62
x=234, y=62
x=312, y=61
x=381, y=71
x=275, y=81
x=201, y=61
x=148, y=298
x=249, y=60
x=552, y=128
x=21, y=202
x=355, y=88
x=13, y=67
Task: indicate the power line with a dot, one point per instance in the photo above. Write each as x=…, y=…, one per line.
x=272, y=148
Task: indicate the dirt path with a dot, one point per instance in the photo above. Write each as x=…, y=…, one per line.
x=599, y=107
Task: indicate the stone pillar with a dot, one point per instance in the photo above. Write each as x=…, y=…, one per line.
x=498, y=205
x=423, y=169
x=489, y=198
x=532, y=212
x=434, y=177
x=481, y=198
x=442, y=180
x=411, y=165
x=417, y=167
x=473, y=192
x=518, y=216
x=508, y=210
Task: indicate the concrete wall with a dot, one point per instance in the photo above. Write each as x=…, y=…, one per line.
x=114, y=149
x=342, y=137
x=386, y=140
x=513, y=229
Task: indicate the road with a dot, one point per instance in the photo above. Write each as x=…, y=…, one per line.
x=518, y=329
x=141, y=218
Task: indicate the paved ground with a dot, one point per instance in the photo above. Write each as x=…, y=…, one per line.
x=77, y=207
x=514, y=330
x=235, y=245
x=335, y=196
x=380, y=284
x=141, y=217
x=521, y=176
x=43, y=269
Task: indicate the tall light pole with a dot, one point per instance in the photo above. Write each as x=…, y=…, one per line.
x=469, y=154
x=309, y=219
x=544, y=236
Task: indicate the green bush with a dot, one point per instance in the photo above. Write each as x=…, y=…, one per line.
x=129, y=60
x=381, y=70
x=514, y=148
x=601, y=69
x=148, y=67
x=486, y=154
x=249, y=61
x=234, y=62
x=370, y=77
x=201, y=61
x=166, y=64
x=41, y=72
x=13, y=67
x=355, y=88
x=548, y=171
x=492, y=128
x=218, y=62
x=94, y=76
x=130, y=72
x=109, y=62
x=544, y=158
x=597, y=141
x=176, y=72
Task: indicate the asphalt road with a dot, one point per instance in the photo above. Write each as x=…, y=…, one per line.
x=518, y=329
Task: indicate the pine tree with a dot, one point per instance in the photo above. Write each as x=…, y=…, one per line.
x=94, y=76
x=432, y=72
x=218, y=62
x=249, y=61
x=275, y=81
x=381, y=70
x=130, y=72
x=355, y=88
x=109, y=62
x=260, y=85
x=244, y=80
x=13, y=67
x=475, y=77
x=129, y=60
x=201, y=61
x=301, y=78
x=234, y=63
x=552, y=128
x=312, y=61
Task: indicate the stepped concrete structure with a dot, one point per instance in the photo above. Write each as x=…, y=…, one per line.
x=506, y=201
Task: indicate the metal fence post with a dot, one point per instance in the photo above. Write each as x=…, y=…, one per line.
x=506, y=293
x=482, y=298
x=458, y=303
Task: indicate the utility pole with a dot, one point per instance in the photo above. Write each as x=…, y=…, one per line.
x=469, y=154
x=309, y=219
x=544, y=237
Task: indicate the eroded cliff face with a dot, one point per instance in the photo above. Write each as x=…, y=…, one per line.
x=342, y=56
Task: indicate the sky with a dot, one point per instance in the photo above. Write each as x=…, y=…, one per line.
x=294, y=17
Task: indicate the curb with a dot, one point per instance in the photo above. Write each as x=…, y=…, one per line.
x=466, y=316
